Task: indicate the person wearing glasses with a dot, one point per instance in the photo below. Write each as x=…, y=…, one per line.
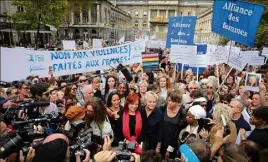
x=82, y=81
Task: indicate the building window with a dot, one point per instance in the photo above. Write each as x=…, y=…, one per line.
x=137, y=13
x=179, y=13
x=20, y=9
x=94, y=13
x=144, y=13
x=144, y=24
x=163, y=13
x=85, y=18
x=171, y=13
x=136, y=24
x=153, y=14
x=189, y=13
x=76, y=18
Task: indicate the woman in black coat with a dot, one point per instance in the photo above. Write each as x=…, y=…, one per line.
x=153, y=118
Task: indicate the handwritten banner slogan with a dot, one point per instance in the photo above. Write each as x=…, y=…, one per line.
x=22, y=63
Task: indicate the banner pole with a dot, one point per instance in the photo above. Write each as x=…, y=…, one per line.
x=266, y=60
x=197, y=72
x=218, y=75
x=224, y=79
x=182, y=65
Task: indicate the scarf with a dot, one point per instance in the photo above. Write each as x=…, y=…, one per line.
x=138, y=127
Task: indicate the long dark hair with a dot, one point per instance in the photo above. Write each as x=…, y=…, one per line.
x=150, y=76
x=99, y=109
x=107, y=86
x=109, y=99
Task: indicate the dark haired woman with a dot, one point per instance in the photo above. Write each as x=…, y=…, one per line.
x=110, y=86
x=113, y=109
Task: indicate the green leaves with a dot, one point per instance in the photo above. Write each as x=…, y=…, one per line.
x=52, y=12
x=262, y=34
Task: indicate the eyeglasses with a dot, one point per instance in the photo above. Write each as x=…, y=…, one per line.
x=82, y=81
x=225, y=102
x=209, y=87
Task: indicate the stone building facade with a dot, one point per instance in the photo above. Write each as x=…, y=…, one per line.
x=153, y=16
x=203, y=28
x=102, y=20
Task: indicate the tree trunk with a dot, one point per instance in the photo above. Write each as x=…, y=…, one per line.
x=38, y=31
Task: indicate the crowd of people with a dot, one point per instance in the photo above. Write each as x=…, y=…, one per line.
x=166, y=114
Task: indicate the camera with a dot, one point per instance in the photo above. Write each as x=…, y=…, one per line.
x=28, y=107
x=15, y=144
x=125, y=150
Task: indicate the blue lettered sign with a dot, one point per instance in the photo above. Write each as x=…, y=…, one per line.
x=181, y=30
x=237, y=20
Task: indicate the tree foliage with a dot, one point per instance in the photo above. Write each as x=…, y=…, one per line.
x=52, y=12
x=223, y=41
x=262, y=34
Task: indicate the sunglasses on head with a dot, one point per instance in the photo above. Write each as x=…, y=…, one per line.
x=82, y=81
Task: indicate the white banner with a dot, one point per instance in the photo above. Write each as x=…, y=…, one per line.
x=183, y=54
x=68, y=45
x=17, y=64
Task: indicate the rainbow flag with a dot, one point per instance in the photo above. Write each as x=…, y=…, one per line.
x=150, y=61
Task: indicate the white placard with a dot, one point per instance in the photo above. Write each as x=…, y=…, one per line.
x=213, y=57
x=184, y=54
x=68, y=45
x=265, y=52
x=253, y=57
x=200, y=61
x=222, y=53
x=17, y=64
x=252, y=82
x=236, y=61
x=97, y=43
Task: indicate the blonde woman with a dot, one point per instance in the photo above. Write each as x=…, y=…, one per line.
x=153, y=117
x=193, y=85
x=252, y=81
x=142, y=90
x=225, y=111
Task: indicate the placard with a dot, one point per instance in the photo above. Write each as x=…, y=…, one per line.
x=236, y=61
x=252, y=57
x=237, y=20
x=181, y=30
x=97, y=43
x=68, y=45
x=252, y=82
x=183, y=54
x=265, y=52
